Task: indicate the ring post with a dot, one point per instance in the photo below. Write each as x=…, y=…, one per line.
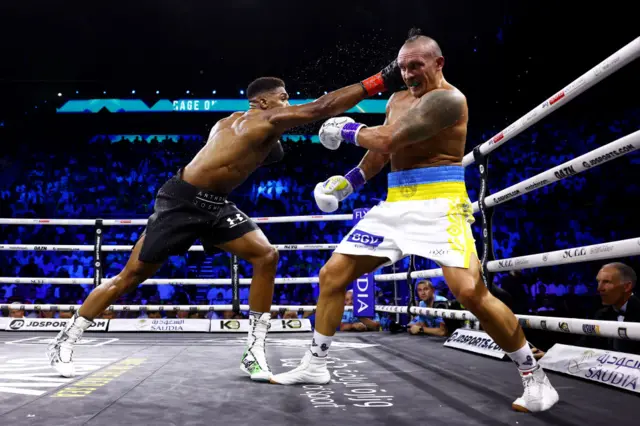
x=235, y=282
x=486, y=214
x=412, y=290
x=97, y=254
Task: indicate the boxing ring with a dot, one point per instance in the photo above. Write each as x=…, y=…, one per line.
x=168, y=376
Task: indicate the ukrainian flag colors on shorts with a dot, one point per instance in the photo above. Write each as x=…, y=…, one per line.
x=427, y=213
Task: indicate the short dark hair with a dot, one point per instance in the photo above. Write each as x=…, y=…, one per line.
x=414, y=34
x=263, y=84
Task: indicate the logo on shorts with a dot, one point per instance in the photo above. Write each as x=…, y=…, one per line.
x=236, y=221
x=408, y=186
x=364, y=238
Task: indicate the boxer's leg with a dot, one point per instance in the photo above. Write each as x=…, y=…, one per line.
x=335, y=276
x=502, y=325
x=134, y=273
x=254, y=247
x=496, y=318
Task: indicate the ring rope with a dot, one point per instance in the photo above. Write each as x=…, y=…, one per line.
x=629, y=247
x=116, y=248
x=596, y=74
x=603, y=154
x=152, y=308
x=157, y=281
x=115, y=222
x=609, y=329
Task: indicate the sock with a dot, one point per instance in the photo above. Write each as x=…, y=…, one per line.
x=523, y=358
x=257, y=315
x=320, y=345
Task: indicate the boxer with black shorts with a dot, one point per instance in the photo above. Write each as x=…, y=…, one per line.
x=193, y=204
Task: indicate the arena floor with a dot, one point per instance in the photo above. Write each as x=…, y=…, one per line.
x=193, y=379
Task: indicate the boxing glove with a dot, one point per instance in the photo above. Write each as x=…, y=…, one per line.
x=389, y=79
x=329, y=193
x=338, y=129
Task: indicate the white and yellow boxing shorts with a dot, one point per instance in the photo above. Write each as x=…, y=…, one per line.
x=427, y=213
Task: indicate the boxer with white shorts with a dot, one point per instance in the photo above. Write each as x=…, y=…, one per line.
x=427, y=213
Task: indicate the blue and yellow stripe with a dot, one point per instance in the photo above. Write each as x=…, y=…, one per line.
x=426, y=183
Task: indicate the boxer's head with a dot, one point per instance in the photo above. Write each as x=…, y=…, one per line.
x=615, y=283
x=420, y=61
x=267, y=93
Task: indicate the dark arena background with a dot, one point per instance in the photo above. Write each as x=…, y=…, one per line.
x=104, y=102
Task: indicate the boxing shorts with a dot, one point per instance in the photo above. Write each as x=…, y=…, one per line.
x=184, y=213
x=427, y=213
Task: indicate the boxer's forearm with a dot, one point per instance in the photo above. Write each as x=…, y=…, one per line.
x=372, y=163
x=339, y=101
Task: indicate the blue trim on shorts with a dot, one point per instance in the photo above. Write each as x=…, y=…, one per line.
x=426, y=175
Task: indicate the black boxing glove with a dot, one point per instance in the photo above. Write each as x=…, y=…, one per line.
x=389, y=79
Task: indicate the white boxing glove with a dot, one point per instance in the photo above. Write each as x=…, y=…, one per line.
x=338, y=129
x=329, y=193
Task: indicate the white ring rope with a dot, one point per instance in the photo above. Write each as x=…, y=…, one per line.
x=630, y=247
x=611, y=151
x=158, y=281
x=112, y=248
x=152, y=308
x=596, y=74
x=609, y=329
x=115, y=222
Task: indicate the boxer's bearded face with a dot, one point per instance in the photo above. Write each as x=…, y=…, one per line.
x=276, y=98
x=420, y=69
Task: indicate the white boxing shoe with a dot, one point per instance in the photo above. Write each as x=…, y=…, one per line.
x=539, y=394
x=60, y=351
x=254, y=359
x=311, y=371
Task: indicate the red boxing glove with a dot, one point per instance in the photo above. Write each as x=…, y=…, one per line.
x=390, y=78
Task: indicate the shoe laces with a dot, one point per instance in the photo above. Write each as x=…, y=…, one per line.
x=530, y=380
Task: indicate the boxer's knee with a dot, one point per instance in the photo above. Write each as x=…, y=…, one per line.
x=267, y=260
x=332, y=278
x=471, y=296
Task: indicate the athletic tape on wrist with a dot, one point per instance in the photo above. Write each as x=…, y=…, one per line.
x=350, y=131
x=356, y=178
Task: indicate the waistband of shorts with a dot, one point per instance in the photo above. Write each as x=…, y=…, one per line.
x=426, y=183
x=178, y=188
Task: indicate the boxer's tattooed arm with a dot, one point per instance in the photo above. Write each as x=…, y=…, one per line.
x=436, y=111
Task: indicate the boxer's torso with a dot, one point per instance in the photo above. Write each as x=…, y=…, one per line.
x=237, y=146
x=445, y=148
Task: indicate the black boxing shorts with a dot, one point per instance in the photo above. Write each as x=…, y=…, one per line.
x=184, y=213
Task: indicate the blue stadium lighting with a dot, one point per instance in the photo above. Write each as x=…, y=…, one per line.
x=157, y=92
x=213, y=92
x=59, y=94
x=133, y=92
x=242, y=92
